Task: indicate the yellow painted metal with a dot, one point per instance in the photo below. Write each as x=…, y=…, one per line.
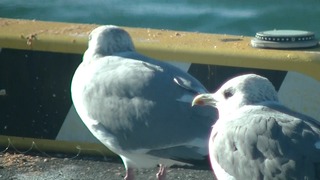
x=46, y=146
x=43, y=36
x=201, y=48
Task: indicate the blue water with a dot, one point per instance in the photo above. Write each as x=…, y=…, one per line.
x=237, y=17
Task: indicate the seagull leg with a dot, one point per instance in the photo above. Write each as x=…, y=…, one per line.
x=129, y=174
x=161, y=175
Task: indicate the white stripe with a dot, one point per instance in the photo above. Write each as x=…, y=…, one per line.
x=184, y=66
x=186, y=98
x=317, y=144
x=301, y=93
x=3, y=92
x=73, y=129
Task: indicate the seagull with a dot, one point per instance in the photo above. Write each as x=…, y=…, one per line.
x=256, y=137
x=139, y=107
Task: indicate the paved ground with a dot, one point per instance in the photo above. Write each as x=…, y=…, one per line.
x=14, y=166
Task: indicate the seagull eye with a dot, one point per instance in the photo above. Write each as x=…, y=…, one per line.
x=227, y=93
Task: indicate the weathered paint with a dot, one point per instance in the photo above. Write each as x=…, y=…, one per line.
x=200, y=48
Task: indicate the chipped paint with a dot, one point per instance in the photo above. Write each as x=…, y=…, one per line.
x=189, y=47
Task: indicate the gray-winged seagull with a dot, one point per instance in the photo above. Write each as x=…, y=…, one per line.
x=256, y=137
x=138, y=107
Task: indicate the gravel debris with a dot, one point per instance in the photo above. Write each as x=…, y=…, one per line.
x=33, y=166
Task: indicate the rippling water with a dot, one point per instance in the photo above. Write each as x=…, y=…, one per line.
x=213, y=16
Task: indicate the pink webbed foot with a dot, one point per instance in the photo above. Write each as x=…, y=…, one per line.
x=129, y=174
x=161, y=175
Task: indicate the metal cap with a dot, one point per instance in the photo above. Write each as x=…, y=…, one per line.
x=284, y=39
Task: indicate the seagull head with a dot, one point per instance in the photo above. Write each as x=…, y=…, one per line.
x=108, y=40
x=248, y=89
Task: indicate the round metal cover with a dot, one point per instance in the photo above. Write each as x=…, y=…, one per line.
x=284, y=39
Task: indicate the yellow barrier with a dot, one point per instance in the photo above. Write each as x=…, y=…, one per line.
x=45, y=145
x=201, y=48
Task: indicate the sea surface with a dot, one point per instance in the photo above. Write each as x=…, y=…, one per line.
x=238, y=17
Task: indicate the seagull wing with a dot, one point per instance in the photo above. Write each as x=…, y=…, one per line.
x=138, y=103
x=266, y=142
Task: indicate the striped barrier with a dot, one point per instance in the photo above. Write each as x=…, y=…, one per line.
x=38, y=60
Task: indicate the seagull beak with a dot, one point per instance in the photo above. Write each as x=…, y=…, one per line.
x=204, y=99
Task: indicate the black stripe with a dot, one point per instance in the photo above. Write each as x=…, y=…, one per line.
x=37, y=88
x=212, y=76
